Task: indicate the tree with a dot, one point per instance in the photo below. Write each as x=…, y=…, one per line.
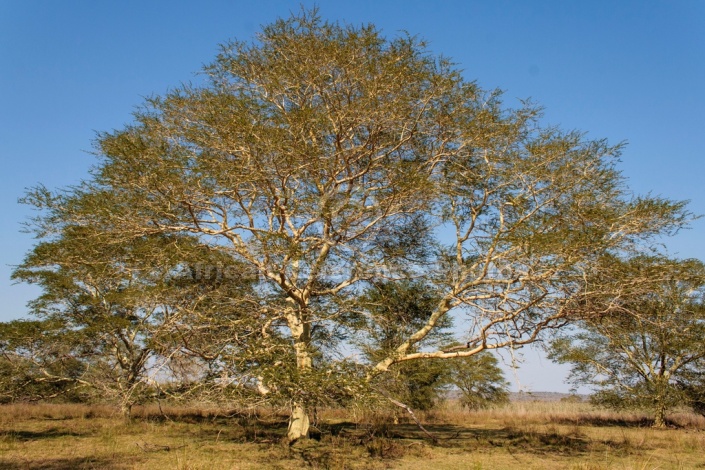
x=641, y=343
x=37, y=362
x=326, y=158
x=397, y=309
x=692, y=386
x=393, y=311
x=108, y=310
x=480, y=381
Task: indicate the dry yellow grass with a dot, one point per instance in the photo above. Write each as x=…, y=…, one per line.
x=522, y=436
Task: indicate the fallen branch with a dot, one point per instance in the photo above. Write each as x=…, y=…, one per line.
x=146, y=447
x=411, y=413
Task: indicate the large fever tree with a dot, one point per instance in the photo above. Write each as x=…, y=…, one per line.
x=328, y=158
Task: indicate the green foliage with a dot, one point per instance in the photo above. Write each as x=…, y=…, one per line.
x=694, y=391
x=643, y=346
x=480, y=381
x=395, y=310
x=37, y=361
x=423, y=385
x=113, y=310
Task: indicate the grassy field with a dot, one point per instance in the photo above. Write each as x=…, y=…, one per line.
x=527, y=435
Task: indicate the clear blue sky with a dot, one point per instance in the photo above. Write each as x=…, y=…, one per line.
x=624, y=70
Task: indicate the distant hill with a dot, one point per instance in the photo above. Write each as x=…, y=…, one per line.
x=533, y=396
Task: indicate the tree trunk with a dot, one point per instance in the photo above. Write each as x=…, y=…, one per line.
x=126, y=410
x=298, y=423
x=301, y=332
x=660, y=416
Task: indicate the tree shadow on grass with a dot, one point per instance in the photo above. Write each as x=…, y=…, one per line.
x=66, y=464
x=272, y=427
x=598, y=421
x=52, y=433
x=237, y=429
x=395, y=441
x=539, y=442
x=535, y=441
